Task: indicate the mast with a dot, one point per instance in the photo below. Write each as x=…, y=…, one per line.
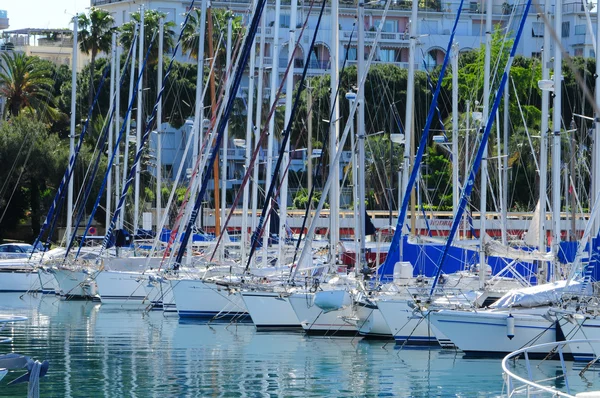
x=258, y=122
x=484, y=164
x=504, y=171
x=72, y=132
x=159, y=126
x=138, y=125
x=226, y=133
x=455, y=168
x=334, y=196
x=213, y=107
x=249, y=108
x=556, y=123
x=288, y=110
x=117, y=122
x=198, y=126
x=351, y=97
x=408, y=119
x=113, y=73
x=273, y=97
x=128, y=127
x=360, y=132
x=544, y=135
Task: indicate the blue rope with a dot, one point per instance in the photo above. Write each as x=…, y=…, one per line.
x=395, y=245
x=221, y=128
x=59, y=196
x=258, y=231
x=477, y=161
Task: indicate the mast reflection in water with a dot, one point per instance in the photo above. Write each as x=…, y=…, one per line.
x=109, y=352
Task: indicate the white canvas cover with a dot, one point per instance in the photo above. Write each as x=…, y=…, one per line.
x=534, y=296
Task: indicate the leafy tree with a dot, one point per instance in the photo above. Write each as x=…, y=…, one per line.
x=39, y=159
x=25, y=82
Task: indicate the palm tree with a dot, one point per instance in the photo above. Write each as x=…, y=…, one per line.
x=151, y=19
x=25, y=82
x=95, y=36
x=219, y=17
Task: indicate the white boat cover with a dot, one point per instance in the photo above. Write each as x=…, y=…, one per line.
x=534, y=296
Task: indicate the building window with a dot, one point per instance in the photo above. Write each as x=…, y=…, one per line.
x=537, y=29
x=351, y=53
x=387, y=55
x=566, y=27
x=578, y=52
x=284, y=21
x=580, y=29
x=592, y=54
x=389, y=26
x=537, y=55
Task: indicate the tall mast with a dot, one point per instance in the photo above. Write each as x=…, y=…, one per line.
x=113, y=73
x=544, y=134
x=360, y=132
x=484, y=164
x=273, y=96
x=226, y=134
x=213, y=108
x=198, y=126
x=117, y=122
x=159, y=126
x=334, y=196
x=68, y=232
x=596, y=174
x=132, y=78
x=138, y=124
x=288, y=110
x=258, y=120
x=249, y=109
x=410, y=96
x=455, y=168
x=556, y=124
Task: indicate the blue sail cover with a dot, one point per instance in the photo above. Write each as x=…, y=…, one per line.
x=425, y=258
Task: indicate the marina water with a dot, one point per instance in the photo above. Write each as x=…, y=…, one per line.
x=100, y=351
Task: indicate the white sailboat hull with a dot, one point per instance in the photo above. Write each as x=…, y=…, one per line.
x=485, y=333
x=579, y=327
x=26, y=280
x=125, y=289
x=74, y=283
x=270, y=310
x=201, y=299
x=315, y=321
x=371, y=323
x=406, y=325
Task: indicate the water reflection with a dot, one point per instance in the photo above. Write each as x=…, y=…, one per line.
x=107, y=352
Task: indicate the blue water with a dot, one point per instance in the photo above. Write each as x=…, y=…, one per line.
x=98, y=351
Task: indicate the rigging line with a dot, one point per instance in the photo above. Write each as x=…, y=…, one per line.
x=247, y=47
x=395, y=245
x=285, y=139
x=59, y=196
x=14, y=166
x=321, y=156
x=62, y=196
x=264, y=131
x=200, y=164
x=431, y=89
x=113, y=155
x=477, y=161
x=327, y=186
x=16, y=185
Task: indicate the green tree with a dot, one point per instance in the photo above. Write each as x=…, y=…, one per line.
x=39, y=159
x=25, y=82
x=151, y=24
x=95, y=36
